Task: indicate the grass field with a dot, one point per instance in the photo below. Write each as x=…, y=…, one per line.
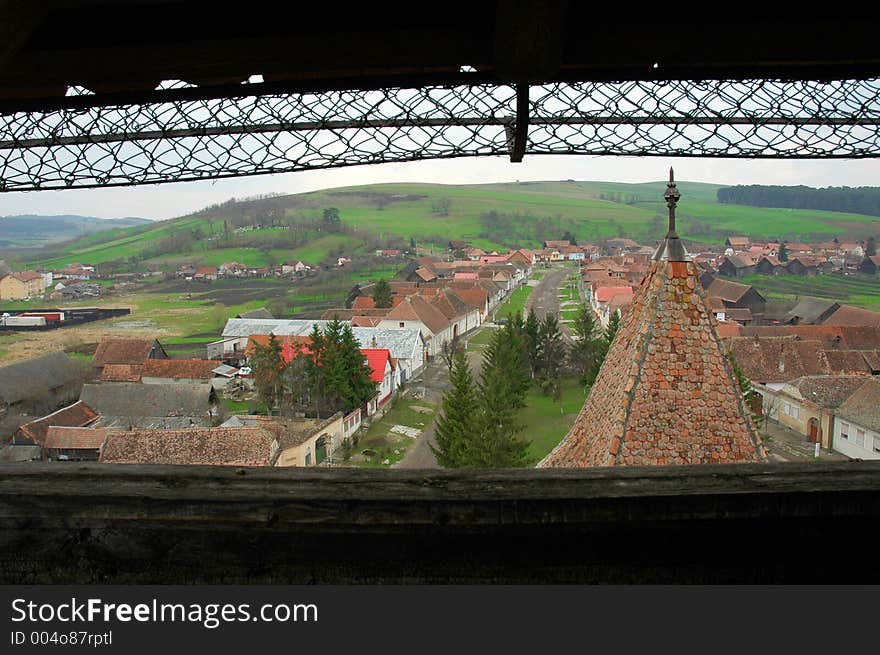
x=859, y=290
x=547, y=421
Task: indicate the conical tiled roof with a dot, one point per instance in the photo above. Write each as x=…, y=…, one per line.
x=666, y=393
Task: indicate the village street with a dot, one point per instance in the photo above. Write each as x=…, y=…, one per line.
x=435, y=378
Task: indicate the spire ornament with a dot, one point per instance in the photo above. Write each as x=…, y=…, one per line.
x=671, y=248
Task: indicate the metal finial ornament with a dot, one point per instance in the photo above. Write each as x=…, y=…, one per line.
x=672, y=196
x=671, y=248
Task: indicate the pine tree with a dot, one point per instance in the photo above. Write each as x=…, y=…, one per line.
x=613, y=327
x=382, y=294
x=498, y=445
x=360, y=387
x=531, y=336
x=552, y=354
x=456, y=430
x=585, y=356
x=749, y=395
x=783, y=253
x=871, y=247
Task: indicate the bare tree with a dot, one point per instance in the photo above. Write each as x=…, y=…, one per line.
x=448, y=349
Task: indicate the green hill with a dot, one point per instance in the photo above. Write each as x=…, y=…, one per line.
x=487, y=215
x=33, y=231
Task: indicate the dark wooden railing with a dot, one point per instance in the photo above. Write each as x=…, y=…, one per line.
x=94, y=523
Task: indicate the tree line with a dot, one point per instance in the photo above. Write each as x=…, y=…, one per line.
x=855, y=200
x=478, y=425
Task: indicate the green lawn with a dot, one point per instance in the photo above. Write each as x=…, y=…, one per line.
x=547, y=421
x=515, y=303
x=389, y=445
x=481, y=339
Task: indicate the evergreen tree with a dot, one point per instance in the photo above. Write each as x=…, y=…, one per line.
x=360, y=387
x=267, y=365
x=497, y=444
x=332, y=221
x=871, y=247
x=585, y=356
x=531, y=336
x=456, y=431
x=783, y=252
x=552, y=354
x=611, y=330
x=382, y=294
x=506, y=353
x=750, y=396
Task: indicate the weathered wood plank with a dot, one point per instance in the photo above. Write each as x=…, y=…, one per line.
x=725, y=523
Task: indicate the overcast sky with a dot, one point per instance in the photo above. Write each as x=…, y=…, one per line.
x=170, y=200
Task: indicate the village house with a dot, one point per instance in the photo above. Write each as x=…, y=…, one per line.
x=736, y=266
x=737, y=295
x=298, y=268
x=383, y=373
x=812, y=311
x=206, y=273
x=128, y=405
x=870, y=265
x=77, y=415
x=301, y=441
x=416, y=312
x=857, y=424
x=808, y=404
x=74, y=444
x=243, y=446
x=21, y=285
x=737, y=244
x=123, y=354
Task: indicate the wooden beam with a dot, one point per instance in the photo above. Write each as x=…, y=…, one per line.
x=529, y=39
x=18, y=20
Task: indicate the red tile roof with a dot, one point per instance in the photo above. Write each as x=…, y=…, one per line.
x=376, y=359
x=122, y=351
x=121, y=373
x=848, y=315
x=64, y=438
x=76, y=415
x=26, y=276
x=605, y=294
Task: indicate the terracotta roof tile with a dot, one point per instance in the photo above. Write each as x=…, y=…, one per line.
x=64, y=438
x=848, y=315
x=247, y=446
x=666, y=392
x=121, y=373
x=122, y=351
x=76, y=415
x=828, y=391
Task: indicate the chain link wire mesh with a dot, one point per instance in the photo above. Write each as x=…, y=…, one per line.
x=257, y=134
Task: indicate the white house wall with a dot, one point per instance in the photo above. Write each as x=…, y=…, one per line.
x=860, y=442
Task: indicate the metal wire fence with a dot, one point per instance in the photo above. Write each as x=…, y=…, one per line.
x=180, y=140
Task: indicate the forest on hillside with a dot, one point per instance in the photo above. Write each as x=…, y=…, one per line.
x=854, y=200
